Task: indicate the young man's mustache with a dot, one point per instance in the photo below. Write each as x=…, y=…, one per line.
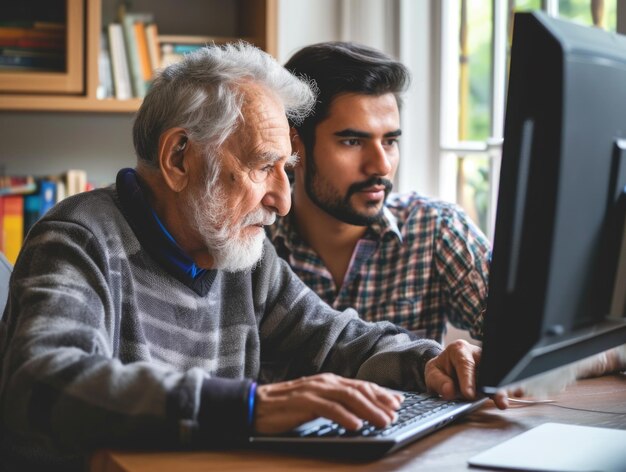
x=374, y=181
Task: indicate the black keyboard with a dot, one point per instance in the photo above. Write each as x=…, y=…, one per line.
x=416, y=407
x=418, y=415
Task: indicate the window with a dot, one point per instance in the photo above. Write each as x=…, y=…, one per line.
x=475, y=43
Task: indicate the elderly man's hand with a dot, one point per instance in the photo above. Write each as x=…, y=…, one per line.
x=452, y=374
x=283, y=406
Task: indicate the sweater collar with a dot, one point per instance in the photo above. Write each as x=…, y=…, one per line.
x=155, y=237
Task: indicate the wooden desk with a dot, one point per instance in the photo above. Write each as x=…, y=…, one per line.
x=446, y=450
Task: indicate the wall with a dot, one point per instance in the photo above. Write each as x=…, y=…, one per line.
x=303, y=22
x=49, y=143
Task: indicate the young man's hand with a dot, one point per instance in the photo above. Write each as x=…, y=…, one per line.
x=452, y=374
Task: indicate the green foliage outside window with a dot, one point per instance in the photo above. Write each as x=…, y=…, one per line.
x=475, y=121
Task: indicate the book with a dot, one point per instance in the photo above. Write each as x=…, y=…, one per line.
x=30, y=52
x=119, y=62
x=172, y=53
x=32, y=204
x=41, y=33
x=51, y=62
x=191, y=39
x=105, y=74
x=37, y=204
x=60, y=190
x=142, y=50
x=174, y=47
x=152, y=39
x=128, y=21
x=55, y=45
x=17, y=184
x=12, y=215
x=75, y=181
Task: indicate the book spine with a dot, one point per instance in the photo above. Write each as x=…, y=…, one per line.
x=47, y=193
x=31, y=33
x=142, y=50
x=32, y=208
x=132, y=53
x=37, y=204
x=12, y=185
x=12, y=226
x=121, y=76
x=55, y=45
x=75, y=181
x=33, y=62
x=105, y=74
x=152, y=39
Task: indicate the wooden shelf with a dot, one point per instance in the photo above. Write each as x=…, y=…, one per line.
x=75, y=90
x=67, y=104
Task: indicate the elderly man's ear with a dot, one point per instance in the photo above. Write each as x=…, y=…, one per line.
x=297, y=146
x=174, y=159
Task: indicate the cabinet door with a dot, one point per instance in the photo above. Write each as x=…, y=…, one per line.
x=68, y=81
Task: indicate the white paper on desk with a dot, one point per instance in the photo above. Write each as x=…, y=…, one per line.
x=559, y=447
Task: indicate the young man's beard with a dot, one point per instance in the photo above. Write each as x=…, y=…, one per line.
x=329, y=199
x=230, y=249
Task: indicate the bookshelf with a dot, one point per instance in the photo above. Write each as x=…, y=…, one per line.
x=75, y=90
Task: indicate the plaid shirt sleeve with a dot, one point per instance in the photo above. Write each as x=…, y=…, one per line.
x=462, y=261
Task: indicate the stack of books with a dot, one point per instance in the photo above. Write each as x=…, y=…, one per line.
x=33, y=45
x=25, y=199
x=132, y=52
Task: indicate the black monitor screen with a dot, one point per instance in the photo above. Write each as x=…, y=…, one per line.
x=555, y=290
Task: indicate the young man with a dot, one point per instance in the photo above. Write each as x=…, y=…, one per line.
x=144, y=314
x=408, y=259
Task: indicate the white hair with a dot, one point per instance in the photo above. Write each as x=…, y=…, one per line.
x=204, y=93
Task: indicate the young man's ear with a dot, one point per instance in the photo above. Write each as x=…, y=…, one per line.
x=173, y=158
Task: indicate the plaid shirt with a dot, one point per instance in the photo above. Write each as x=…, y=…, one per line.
x=423, y=264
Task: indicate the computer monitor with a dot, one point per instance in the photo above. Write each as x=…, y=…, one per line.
x=557, y=281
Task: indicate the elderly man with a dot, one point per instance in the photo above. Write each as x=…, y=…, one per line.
x=144, y=314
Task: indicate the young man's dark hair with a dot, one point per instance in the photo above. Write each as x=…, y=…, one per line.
x=344, y=67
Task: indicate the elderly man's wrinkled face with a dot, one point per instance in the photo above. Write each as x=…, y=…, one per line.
x=253, y=186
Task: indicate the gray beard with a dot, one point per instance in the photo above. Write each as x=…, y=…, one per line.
x=230, y=250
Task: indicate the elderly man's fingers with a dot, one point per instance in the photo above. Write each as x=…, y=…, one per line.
x=384, y=398
x=285, y=405
x=277, y=413
x=353, y=400
x=381, y=396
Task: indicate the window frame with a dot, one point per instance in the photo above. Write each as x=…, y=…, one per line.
x=449, y=146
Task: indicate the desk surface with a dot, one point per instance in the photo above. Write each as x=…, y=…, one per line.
x=445, y=450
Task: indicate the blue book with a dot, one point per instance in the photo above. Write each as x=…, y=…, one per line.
x=37, y=204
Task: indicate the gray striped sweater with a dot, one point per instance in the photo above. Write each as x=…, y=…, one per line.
x=103, y=345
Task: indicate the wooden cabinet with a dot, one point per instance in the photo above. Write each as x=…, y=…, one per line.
x=75, y=89
x=70, y=81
